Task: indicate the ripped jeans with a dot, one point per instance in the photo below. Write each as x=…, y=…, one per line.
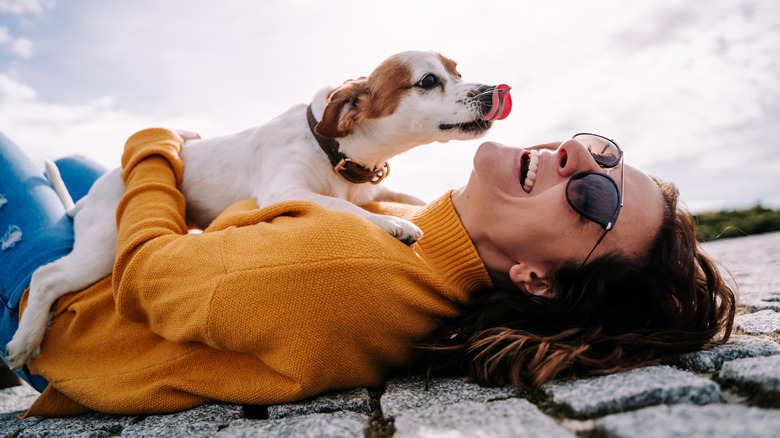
x=34, y=229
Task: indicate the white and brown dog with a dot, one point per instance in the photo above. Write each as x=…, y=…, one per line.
x=410, y=99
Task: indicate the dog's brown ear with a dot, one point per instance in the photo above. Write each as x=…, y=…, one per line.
x=344, y=109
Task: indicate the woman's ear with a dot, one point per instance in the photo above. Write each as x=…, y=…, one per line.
x=530, y=279
x=344, y=109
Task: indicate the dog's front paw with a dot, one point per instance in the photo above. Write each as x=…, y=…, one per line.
x=401, y=229
x=20, y=350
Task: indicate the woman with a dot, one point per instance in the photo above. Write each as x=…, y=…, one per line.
x=281, y=303
x=647, y=295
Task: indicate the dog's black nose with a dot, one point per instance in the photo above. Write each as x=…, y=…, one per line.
x=485, y=96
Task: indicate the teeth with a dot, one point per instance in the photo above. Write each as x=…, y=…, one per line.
x=533, y=166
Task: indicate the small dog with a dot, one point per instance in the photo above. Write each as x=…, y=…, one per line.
x=410, y=99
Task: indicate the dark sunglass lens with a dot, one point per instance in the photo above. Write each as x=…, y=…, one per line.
x=607, y=156
x=604, y=151
x=594, y=196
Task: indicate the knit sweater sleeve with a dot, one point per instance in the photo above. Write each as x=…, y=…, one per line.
x=150, y=223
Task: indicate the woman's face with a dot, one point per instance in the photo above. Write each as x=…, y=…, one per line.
x=521, y=236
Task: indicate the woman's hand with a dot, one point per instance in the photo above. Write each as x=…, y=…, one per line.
x=187, y=135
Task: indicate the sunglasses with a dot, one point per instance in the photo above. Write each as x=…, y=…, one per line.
x=595, y=195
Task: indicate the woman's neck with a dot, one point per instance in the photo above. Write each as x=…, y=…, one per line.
x=476, y=221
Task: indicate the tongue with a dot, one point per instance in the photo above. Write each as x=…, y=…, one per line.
x=502, y=104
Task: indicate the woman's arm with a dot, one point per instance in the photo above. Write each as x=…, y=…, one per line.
x=152, y=231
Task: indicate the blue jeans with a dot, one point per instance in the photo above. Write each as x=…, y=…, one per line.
x=34, y=229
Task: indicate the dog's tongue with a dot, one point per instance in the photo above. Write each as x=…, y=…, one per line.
x=502, y=104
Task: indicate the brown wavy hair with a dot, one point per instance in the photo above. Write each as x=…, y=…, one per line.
x=613, y=314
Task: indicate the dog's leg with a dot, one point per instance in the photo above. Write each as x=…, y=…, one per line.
x=401, y=229
x=48, y=283
x=85, y=265
x=92, y=259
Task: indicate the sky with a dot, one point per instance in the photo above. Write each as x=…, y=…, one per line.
x=689, y=89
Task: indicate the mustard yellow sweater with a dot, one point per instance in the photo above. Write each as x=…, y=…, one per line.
x=265, y=306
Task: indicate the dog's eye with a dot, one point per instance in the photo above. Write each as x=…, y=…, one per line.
x=428, y=81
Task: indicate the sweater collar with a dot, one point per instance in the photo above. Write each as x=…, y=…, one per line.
x=448, y=248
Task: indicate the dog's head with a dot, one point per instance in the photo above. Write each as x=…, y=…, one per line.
x=415, y=97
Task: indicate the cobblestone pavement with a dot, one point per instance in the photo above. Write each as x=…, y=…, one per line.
x=730, y=391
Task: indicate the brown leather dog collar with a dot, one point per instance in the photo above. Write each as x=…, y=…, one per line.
x=350, y=170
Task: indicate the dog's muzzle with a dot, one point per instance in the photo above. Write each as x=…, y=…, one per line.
x=495, y=103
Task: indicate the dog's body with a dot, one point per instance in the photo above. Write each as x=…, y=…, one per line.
x=412, y=98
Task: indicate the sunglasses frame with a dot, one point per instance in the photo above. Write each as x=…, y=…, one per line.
x=605, y=223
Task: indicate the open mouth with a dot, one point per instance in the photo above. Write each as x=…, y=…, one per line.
x=475, y=126
x=529, y=164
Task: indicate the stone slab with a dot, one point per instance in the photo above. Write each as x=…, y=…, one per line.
x=336, y=424
x=761, y=301
x=201, y=421
x=759, y=323
x=738, y=347
x=752, y=261
x=355, y=400
x=759, y=372
x=504, y=418
x=93, y=425
x=11, y=425
x=688, y=421
x=17, y=398
x=633, y=389
x=409, y=393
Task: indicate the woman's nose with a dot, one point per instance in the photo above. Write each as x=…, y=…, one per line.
x=574, y=157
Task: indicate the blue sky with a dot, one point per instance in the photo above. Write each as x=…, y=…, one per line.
x=690, y=90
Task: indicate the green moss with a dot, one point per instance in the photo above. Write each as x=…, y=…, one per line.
x=736, y=223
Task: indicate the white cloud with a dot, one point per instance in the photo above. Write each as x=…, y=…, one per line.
x=24, y=10
x=13, y=91
x=673, y=82
x=47, y=130
x=26, y=7
x=23, y=48
x=5, y=34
